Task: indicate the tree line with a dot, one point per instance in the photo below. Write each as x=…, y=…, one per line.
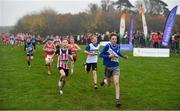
x=97, y=18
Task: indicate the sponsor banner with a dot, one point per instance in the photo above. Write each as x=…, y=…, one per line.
x=151, y=52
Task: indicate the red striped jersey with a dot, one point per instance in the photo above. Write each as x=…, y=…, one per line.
x=63, y=58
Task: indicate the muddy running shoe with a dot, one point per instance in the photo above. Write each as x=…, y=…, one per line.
x=102, y=82
x=95, y=86
x=118, y=103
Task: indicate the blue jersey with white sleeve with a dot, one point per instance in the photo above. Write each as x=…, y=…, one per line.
x=107, y=50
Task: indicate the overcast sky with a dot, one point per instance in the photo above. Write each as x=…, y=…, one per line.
x=12, y=10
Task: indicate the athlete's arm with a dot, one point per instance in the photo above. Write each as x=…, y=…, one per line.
x=44, y=47
x=25, y=47
x=70, y=55
x=77, y=48
x=88, y=52
x=119, y=54
x=104, y=53
x=56, y=53
x=54, y=48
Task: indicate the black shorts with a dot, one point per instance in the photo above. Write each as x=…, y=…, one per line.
x=34, y=43
x=29, y=55
x=65, y=70
x=89, y=65
x=74, y=59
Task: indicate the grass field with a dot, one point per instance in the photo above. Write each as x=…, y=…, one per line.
x=146, y=83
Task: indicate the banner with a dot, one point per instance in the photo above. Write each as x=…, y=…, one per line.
x=168, y=27
x=123, y=47
x=122, y=25
x=151, y=52
x=131, y=29
x=144, y=22
x=126, y=47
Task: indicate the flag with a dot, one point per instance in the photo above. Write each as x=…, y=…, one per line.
x=131, y=29
x=122, y=25
x=168, y=27
x=144, y=22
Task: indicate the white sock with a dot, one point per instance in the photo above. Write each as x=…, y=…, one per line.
x=85, y=66
x=72, y=69
x=105, y=81
x=117, y=97
x=59, y=84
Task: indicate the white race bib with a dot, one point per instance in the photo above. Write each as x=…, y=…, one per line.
x=48, y=58
x=64, y=61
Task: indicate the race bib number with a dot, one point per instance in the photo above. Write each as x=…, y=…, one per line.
x=114, y=59
x=49, y=49
x=29, y=49
x=48, y=58
x=64, y=61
